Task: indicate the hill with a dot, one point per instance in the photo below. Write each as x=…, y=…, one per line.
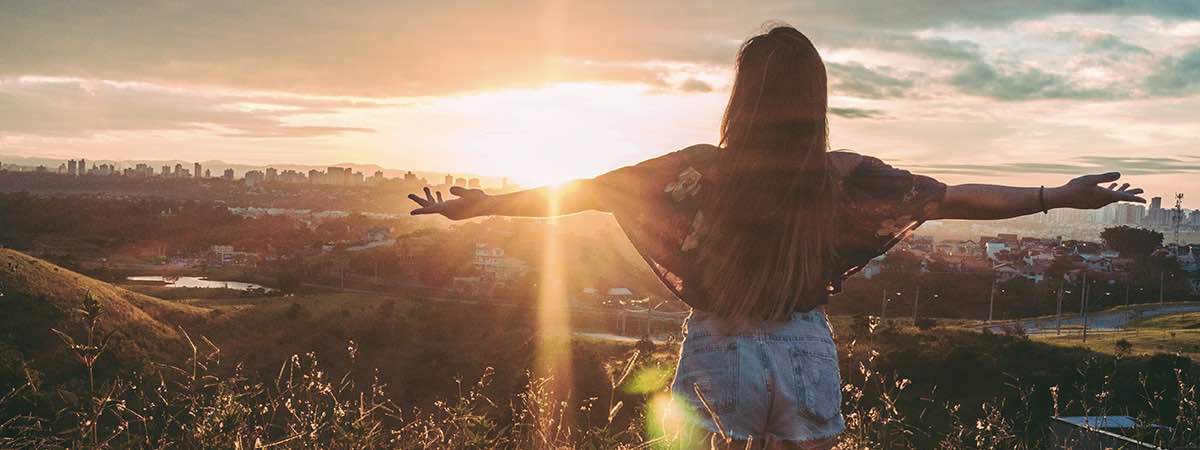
x=37, y=296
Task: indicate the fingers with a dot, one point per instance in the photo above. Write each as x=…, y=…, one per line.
x=1101, y=177
x=428, y=194
x=464, y=192
x=418, y=199
x=420, y=211
x=1127, y=197
x=1135, y=191
x=439, y=196
x=1112, y=186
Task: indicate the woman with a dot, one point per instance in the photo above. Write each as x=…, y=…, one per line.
x=757, y=233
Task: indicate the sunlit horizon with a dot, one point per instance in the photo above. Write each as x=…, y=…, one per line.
x=547, y=92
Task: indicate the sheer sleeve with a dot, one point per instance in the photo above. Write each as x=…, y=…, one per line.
x=883, y=192
x=657, y=204
x=880, y=205
x=648, y=183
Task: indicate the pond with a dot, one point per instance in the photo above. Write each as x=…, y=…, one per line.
x=199, y=282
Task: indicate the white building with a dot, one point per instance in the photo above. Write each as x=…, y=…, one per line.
x=994, y=247
x=491, y=262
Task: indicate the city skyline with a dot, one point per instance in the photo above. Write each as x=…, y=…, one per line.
x=1005, y=92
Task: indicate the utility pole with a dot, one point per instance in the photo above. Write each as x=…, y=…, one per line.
x=1083, y=305
x=991, y=301
x=916, y=300
x=1161, y=275
x=1127, y=289
x=1058, y=310
x=992, y=296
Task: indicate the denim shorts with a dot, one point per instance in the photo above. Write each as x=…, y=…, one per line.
x=762, y=380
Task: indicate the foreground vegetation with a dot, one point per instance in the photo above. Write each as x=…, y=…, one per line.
x=204, y=403
x=84, y=364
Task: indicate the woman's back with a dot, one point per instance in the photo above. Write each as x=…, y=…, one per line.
x=664, y=206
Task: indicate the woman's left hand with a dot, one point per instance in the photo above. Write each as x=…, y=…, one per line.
x=1086, y=193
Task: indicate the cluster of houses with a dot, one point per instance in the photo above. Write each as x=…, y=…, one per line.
x=1011, y=256
x=494, y=269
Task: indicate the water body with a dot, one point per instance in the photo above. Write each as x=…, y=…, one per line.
x=200, y=282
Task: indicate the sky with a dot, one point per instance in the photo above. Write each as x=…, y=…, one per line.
x=1006, y=91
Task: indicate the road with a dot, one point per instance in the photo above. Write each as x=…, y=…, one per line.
x=1106, y=320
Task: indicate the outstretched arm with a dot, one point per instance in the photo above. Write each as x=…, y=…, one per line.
x=569, y=198
x=987, y=201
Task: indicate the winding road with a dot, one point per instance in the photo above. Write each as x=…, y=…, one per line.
x=1107, y=320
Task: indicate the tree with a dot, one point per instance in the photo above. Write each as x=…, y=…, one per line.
x=1061, y=265
x=901, y=262
x=1135, y=243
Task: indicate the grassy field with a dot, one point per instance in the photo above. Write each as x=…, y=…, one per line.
x=1174, y=333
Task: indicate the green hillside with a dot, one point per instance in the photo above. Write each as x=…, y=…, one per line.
x=37, y=296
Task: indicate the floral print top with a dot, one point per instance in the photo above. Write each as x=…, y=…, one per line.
x=659, y=204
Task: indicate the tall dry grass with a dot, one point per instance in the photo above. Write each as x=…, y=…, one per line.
x=204, y=402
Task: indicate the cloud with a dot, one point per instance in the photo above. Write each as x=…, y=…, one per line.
x=857, y=80
x=857, y=113
x=694, y=85
x=1079, y=165
x=983, y=79
x=899, y=42
x=1110, y=43
x=72, y=107
x=386, y=48
x=1177, y=75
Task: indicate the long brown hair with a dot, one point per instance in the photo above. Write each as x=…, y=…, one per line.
x=770, y=243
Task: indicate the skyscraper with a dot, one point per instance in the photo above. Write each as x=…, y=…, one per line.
x=196, y=170
x=72, y=168
x=82, y=166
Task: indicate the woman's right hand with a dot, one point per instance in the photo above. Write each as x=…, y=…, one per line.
x=470, y=203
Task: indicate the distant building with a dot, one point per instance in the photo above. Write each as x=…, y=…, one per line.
x=462, y=182
x=922, y=244
x=196, y=169
x=473, y=183
x=1009, y=239
x=254, y=178
x=228, y=174
x=449, y=180
x=492, y=263
x=72, y=168
x=221, y=255
x=992, y=249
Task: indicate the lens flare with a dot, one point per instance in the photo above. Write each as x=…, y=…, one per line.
x=553, y=359
x=667, y=422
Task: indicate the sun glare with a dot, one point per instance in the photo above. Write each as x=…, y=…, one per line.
x=554, y=345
